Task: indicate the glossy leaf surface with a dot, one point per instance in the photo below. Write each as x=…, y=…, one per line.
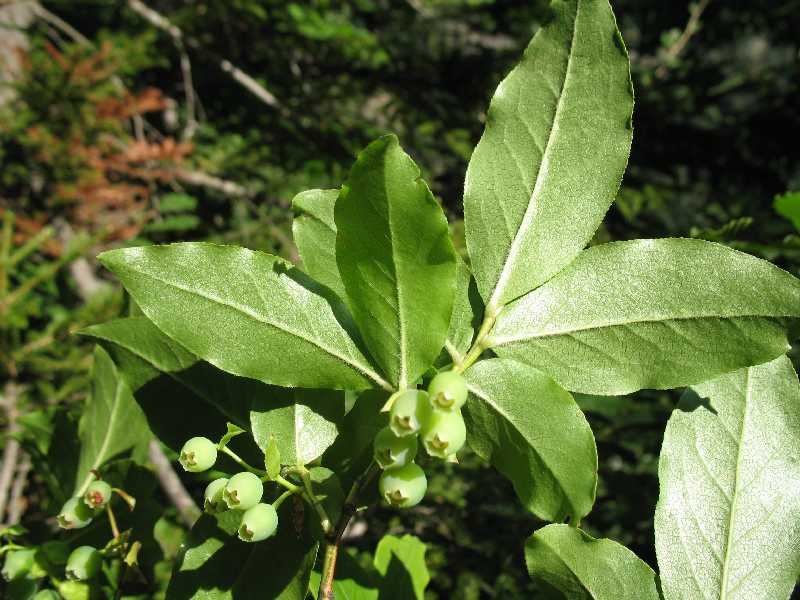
x=557, y=138
x=396, y=260
x=532, y=431
x=728, y=516
x=584, y=568
x=651, y=314
x=246, y=312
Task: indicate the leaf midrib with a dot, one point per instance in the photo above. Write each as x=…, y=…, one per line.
x=106, y=439
x=732, y=516
x=541, y=174
x=363, y=370
x=483, y=395
x=497, y=341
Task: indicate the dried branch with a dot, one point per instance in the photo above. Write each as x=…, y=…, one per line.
x=12, y=449
x=172, y=486
x=161, y=22
x=16, y=503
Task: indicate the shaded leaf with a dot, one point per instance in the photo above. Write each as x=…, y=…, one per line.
x=112, y=421
x=314, y=232
x=217, y=565
x=584, y=568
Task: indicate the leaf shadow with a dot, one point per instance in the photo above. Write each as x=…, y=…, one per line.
x=691, y=401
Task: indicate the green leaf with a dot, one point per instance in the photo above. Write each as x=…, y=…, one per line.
x=140, y=349
x=351, y=453
x=156, y=367
x=218, y=566
x=232, y=431
x=314, y=232
x=173, y=223
x=401, y=563
x=272, y=458
x=248, y=313
x=303, y=422
x=651, y=314
x=788, y=205
x=532, y=431
x=726, y=520
x=584, y=568
x=112, y=421
x=558, y=133
x=353, y=581
x=175, y=203
x=396, y=260
x=466, y=316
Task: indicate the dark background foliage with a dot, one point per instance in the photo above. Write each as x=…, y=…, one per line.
x=717, y=120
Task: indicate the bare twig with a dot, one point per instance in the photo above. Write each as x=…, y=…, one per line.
x=161, y=22
x=227, y=187
x=12, y=450
x=172, y=486
x=16, y=503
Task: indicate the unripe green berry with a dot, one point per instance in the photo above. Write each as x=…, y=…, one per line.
x=47, y=595
x=392, y=451
x=18, y=564
x=403, y=487
x=198, y=454
x=214, y=502
x=83, y=563
x=258, y=523
x=74, y=514
x=243, y=491
x=97, y=495
x=444, y=433
x=448, y=391
x=409, y=411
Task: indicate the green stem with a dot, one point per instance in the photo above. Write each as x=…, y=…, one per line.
x=283, y=497
x=285, y=483
x=324, y=519
x=241, y=462
x=481, y=341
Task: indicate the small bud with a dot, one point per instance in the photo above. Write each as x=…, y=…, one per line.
x=392, y=451
x=243, y=491
x=74, y=514
x=448, y=391
x=409, y=411
x=258, y=523
x=403, y=487
x=214, y=503
x=18, y=564
x=97, y=495
x=84, y=563
x=444, y=434
x=198, y=454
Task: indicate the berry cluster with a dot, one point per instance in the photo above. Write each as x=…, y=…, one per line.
x=78, y=512
x=83, y=563
x=435, y=418
x=242, y=492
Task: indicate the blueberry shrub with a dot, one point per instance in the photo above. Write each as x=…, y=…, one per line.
x=299, y=396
